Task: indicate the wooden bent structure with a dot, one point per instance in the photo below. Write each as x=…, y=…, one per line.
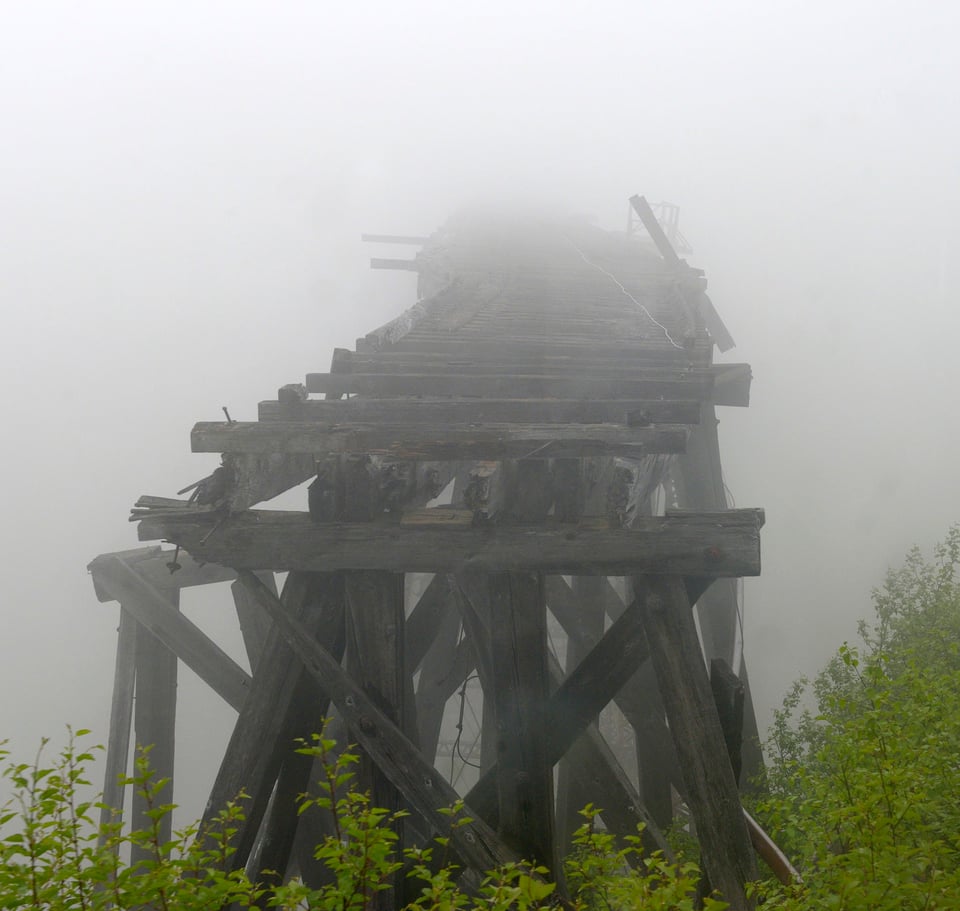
x=517, y=480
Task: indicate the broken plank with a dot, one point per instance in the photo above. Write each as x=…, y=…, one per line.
x=720, y=544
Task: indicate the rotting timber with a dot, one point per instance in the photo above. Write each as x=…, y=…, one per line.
x=537, y=435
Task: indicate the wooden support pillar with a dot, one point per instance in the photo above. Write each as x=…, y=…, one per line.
x=588, y=592
x=270, y=719
x=520, y=689
x=711, y=790
x=254, y=623
x=432, y=691
x=638, y=699
x=121, y=712
x=375, y=645
x=155, y=717
x=426, y=791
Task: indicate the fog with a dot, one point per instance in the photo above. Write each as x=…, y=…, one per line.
x=183, y=186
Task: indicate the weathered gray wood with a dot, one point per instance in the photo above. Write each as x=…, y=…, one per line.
x=589, y=593
x=726, y=384
x=152, y=564
x=187, y=642
x=121, y=712
x=519, y=689
x=155, y=715
x=527, y=346
x=631, y=367
x=254, y=623
x=440, y=411
x=638, y=700
x=719, y=544
x=728, y=694
x=581, y=696
x=442, y=442
x=711, y=790
x=279, y=698
x=433, y=689
x=422, y=786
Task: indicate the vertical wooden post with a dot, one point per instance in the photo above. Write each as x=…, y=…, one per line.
x=520, y=682
x=121, y=712
x=155, y=718
x=375, y=645
x=588, y=592
x=712, y=796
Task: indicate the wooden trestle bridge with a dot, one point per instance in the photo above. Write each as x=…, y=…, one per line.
x=538, y=436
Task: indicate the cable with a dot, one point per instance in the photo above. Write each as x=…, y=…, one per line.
x=616, y=281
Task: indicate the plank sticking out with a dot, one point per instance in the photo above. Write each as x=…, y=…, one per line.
x=158, y=615
x=442, y=442
x=708, y=545
x=423, y=787
x=121, y=713
x=711, y=790
x=436, y=412
x=281, y=701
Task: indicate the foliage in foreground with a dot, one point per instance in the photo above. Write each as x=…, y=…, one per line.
x=54, y=857
x=863, y=788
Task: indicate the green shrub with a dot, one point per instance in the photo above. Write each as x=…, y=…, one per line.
x=862, y=788
x=55, y=857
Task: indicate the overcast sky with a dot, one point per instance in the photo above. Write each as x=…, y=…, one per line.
x=182, y=189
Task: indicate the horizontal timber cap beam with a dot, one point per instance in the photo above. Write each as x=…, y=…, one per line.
x=159, y=569
x=449, y=410
x=422, y=786
x=712, y=545
x=449, y=442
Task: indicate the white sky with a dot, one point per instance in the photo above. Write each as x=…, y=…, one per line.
x=182, y=189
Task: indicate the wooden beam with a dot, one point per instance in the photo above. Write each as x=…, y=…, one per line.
x=581, y=696
x=439, y=411
x=155, y=716
x=519, y=689
x=254, y=623
x=711, y=791
x=280, y=695
x=153, y=565
x=187, y=642
x=441, y=442
x=527, y=346
x=588, y=592
x=731, y=386
x=118, y=741
x=422, y=786
x=718, y=544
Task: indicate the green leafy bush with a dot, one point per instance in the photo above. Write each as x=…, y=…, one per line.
x=862, y=787
x=54, y=857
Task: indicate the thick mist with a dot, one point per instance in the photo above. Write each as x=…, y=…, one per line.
x=183, y=186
